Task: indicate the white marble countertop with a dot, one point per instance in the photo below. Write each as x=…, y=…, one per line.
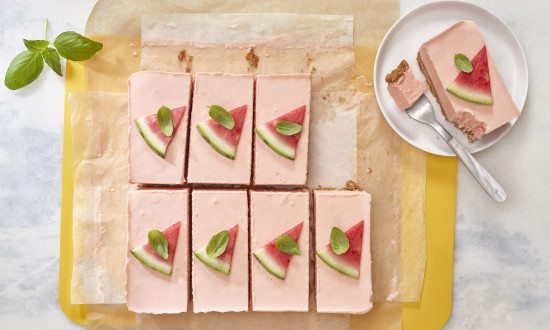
x=502, y=255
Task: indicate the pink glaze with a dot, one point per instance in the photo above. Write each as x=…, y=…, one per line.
x=336, y=292
x=214, y=211
x=437, y=54
x=272, y=213
x=147, y=92
x=407, y=89
x=229, y=91
x=275, y=96
x=147, y=290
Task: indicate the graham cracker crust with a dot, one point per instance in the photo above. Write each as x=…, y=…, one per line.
x=432, y=90
x=397, y=73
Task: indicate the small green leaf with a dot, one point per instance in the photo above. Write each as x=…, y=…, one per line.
x=463, y=63
x=36, y=45
x=24, y=69
x=76, y=47
x=217, y=244
x=159, y=243
x=221, y=116
x=164, y=119
x=52, y=59
x=287, y=244
x=288, y=128
x=338, y=241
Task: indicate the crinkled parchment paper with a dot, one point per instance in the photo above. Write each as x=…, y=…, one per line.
x=391, y=170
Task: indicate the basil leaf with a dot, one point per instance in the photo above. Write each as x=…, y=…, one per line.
x=36, y=45
x=338, y=241
x=159, y=243
x=52, y=59
x=287, y=128
x=23, y=69
x=76, y=47
x=221, y=116
x=463, y=63
x=217, y=244
x=164, y=119
x=287, y=244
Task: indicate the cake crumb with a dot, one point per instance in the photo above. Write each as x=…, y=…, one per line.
x=313, y=69
x=135, y=54
x=181, y=55
x=189, y=64
x=252, y=58
x=397, y=73
x=352, y=186
x=369, y=170
x=309, y=60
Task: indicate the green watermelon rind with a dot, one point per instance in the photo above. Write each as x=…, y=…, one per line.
x=214, y=263
x=151, y=261
x=151, y=138
x=273, y=142
x=270, y=265
x=215, y=142
x=336, y=263
x=469, y=95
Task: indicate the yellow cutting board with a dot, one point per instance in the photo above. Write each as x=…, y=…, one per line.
x=431, y=312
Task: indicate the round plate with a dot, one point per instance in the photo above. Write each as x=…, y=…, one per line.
x=403, y=41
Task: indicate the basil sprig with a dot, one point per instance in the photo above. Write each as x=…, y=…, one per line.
x=463, y=63
x=287, y=244
x=164, y=119
x=288, y=128
x=221, y=116
x=159, y=243
x=27, y=65
x=338, y=241
x=217, y=244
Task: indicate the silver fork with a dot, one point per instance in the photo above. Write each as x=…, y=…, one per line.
x=423, y=111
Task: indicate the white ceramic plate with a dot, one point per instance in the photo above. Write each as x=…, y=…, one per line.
x=403, y=41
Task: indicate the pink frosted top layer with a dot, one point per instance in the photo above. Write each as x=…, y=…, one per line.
x=206, y=165
x=147, y=92
x=214, y=211
x=407, y=89
x=438, y=53
x=336, y=292
x=147, y=290
x=275, y=96
x=272, y=214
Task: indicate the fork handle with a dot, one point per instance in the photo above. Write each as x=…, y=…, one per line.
x=485, y=179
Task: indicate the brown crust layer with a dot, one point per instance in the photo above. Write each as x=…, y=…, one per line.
x=397, y=73
x=432, y=89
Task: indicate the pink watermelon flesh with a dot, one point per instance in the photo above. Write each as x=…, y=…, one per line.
x=349, y=262
x=273, y=260
x=284, y=145
x=150, y=258
x=476, y=85
x=154, y=137
x=222, y=263
x=224, y=140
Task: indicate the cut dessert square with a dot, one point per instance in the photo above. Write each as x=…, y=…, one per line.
x=279, y=281
x=150, y=288
x=218, y=154
x=148, y=91
x=472, y=112
x=281, y=159
x=220, y=283
x=404, y=87
x=343, y=281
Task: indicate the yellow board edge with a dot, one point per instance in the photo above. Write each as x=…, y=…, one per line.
x=74, y=82
x=434, y=308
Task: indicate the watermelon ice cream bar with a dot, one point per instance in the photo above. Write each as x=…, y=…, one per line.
x=476, y=102
x=154, y=158
x=274, y=213
x=162, y=290
x=220, y=284
x=279, y=159
x=217, y=154
x=404, y=87
x=343, y=282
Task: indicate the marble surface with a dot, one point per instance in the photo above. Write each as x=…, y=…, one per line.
x=502, y=259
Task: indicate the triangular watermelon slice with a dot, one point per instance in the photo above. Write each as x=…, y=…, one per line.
x=273, y=260
x=224, y=140
x=284, y=145
x=150, y=258
x=222, y=263
x=347, y=263
x=155, y=138
x=476, y=85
